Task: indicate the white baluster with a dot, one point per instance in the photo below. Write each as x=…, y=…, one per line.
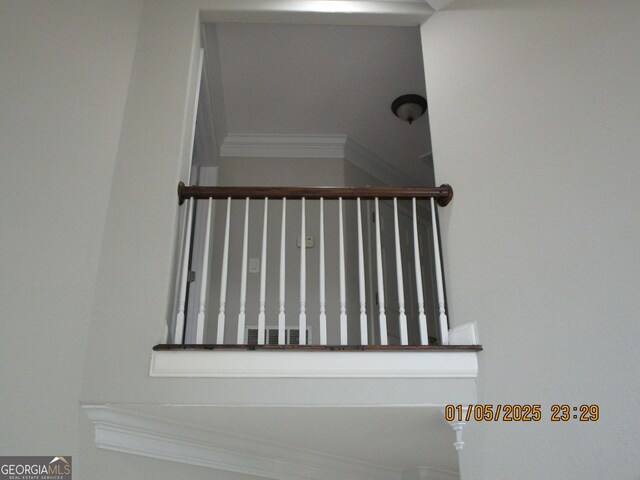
x=243, y=279
x=343, y=296
x=442, y=318
x=263, y=276
x=402, y=317
x=303, y=280
x=364, y=338
x=203, y=280
x=223, y=277
x=281, y=315
x=422, y=318
x=323, y=314
x=381, y=317
x=184, y=277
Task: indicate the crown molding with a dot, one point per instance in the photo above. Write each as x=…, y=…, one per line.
x=439, y=4
x=428, y=473
x=361, y=157
x=283, y=146
x=314, y=146
x=123, y=431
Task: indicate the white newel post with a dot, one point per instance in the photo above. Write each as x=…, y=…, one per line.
x=402, y=317
x=422, y=318
x=263, y=276
x=203, y=280
x=281, y=313
x=343, y=294
x=442, y=318
x=380, y=273
x=178, y=333
x=303, y=280
x=243, y=279
x=223, y=277
x=323, y=300
x=364, y=338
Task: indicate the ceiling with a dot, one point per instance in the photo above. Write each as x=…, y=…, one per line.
x=277, y=79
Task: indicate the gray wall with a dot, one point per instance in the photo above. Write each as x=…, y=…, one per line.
x=535, y=119
x=536, y=100
x=63, y=85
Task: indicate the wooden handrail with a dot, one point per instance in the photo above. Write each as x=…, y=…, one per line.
x=442, y=194
x=328, y=348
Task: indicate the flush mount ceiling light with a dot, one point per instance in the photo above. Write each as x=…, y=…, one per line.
x=409, y=107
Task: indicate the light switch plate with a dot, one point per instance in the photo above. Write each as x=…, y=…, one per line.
x=308, y=241
x=254, y=265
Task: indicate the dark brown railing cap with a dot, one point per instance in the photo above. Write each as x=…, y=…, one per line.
x=442, y=194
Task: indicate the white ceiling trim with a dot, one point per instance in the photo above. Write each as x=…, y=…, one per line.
x=428, y=473
x=283, y=146
x=439, y=4
x=128, y=432
x=375, y=165
x=314, y=146
x=360, y=12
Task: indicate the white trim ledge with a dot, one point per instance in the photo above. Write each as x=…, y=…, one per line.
x=287, y=364
x=428, y=473
x=121, y=430
x=124, y=431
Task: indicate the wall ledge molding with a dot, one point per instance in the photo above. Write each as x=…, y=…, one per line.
x=428, y=473
x=123, y=431
x=314, y=146
x=286, y=364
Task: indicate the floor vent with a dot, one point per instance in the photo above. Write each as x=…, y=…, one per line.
x=291, y=335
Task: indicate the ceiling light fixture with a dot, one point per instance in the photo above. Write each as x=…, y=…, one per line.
x=409, y=107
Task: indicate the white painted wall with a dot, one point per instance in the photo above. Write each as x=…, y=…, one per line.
x=64, y=81
x=63, y=85
x=534, y=112
x=152, y=155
